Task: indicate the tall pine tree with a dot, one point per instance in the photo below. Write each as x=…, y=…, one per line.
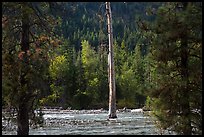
x=177, y=50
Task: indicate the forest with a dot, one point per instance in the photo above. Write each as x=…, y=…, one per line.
x=55, y=54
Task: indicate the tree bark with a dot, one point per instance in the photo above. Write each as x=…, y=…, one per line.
x=112, y=94
x=187, y=130
x=185, y=93
x=23, y=108
x=23, y=119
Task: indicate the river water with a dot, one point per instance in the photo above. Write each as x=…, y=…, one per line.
x=91, y=122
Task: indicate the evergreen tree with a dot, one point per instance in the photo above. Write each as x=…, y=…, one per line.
x=90, y=65
x=177, y=52
x=26, y=47
x=102, y=74
x=139, y=70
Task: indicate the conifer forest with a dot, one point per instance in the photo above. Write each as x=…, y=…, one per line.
x=105, y=58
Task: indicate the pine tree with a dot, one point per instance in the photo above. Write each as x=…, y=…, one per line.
x=176, y=49
x=90, y=64
x=23, y=32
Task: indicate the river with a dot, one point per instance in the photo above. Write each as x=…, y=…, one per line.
x=91, y=122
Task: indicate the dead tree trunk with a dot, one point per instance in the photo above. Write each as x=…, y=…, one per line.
x=112, y=94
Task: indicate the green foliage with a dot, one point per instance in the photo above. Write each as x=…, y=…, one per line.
x=148, y=104
x=82, y=100
x=155, y=59
x=87, y=22
x=130, y=78
x=172, y=70
x=90, y=65
x=58, y=66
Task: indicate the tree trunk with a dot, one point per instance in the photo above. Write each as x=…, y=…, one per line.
x=22, y=116
x=112, y=94
x=185, y=93
x=23, y=119
x=187, y=130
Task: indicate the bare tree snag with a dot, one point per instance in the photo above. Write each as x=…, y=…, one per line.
x=111, y=71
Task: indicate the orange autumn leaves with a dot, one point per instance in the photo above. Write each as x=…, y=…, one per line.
x=40, y=46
